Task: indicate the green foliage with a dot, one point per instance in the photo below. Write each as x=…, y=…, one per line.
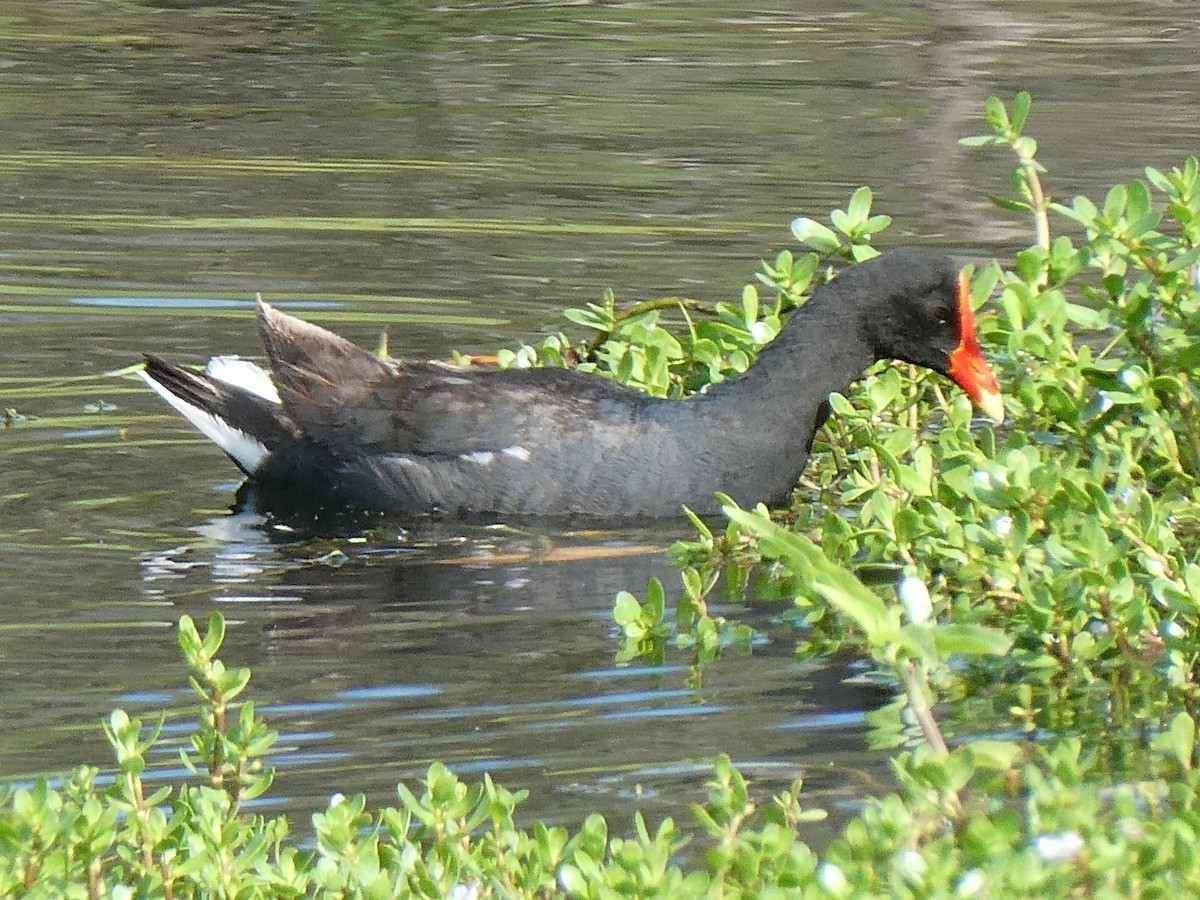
x=78, y=840
x=646, y=632
x=1074, y=530
x=1007, y=125
x=1041, y=577
x=631, y=345
x=954, y=828
x=855, y=224
x=231, y=752
x=643, y=347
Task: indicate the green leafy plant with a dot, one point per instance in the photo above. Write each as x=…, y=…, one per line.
x=673, y=346
x=850, y=237
x=1068, y=539
x=1007, y=124
x=230, y=750
x=953, y=828
x=1004, y=521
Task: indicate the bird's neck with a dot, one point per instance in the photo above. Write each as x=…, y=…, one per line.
x=749, y=436
x=819, y=350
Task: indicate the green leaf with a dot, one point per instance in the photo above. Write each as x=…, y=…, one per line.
x=1000, y=755
x=816, y=235
x=996, y=115
x=859, y=206
x=984, y=282
x=1114, y=202
x=627, y=611
x=750, y=304
x=980, y=140
x=593, y=318
x=188, y=638
x=701, y=528
x=886, y=725
x=1031, y=264
x=1166, y=385
x=964, y=639
x=1086, y=317
x=762, y=333
x=842, y=222
x=840, y=406
x=1184, y=260
x=922, y=464
x=1059, y=403
x=626, y=366
x=1082, y=210
x=215, y=636
x=235, y=681
x=655, y=601
x=1140, y=202
x=1179, y=740
x=875, y=224
x=1020, y=110
x=573, y=880
x=1158, y=179
x=840, y=588
x=1006, y=203
x=1191, y=578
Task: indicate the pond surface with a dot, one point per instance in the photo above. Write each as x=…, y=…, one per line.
x=458, y=173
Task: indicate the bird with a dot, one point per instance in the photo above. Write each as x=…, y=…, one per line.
x=334, y=424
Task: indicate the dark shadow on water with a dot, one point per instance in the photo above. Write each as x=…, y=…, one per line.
x=318, y=508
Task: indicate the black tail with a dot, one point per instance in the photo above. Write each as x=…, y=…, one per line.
x=247, y=426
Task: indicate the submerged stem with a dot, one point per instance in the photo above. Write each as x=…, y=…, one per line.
x=916, y=688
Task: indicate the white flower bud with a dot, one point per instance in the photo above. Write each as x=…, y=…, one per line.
x=915, y=597
x=1061, y=847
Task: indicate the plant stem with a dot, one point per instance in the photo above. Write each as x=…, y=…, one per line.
x=916, y=687
x=619, y=316
x=140, y=813
x=1191, y=428
x=918, y=701
x=1041, y=221
x=94, y=872
x=216, y=764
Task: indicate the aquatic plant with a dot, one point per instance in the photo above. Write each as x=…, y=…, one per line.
x=1072, y=532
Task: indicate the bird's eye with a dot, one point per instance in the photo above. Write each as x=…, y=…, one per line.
x=940, y=316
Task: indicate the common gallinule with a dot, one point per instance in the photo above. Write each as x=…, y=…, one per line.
x=334, y=421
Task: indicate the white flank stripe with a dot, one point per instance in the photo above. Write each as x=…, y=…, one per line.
x=245, y=450
x=242, y=373
x=401, y=459
x=516, y=452
x=480, y=457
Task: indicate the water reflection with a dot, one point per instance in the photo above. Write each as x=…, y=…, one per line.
x=491, y=648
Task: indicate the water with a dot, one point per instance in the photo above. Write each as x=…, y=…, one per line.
x=459, y=173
